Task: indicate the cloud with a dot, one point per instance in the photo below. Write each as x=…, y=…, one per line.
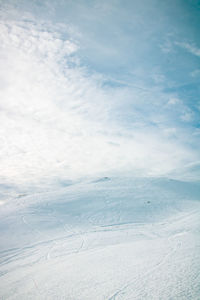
x=195, y=73
x=59, y=120
x=173, y=101
x=186, y=116
x=189, y=47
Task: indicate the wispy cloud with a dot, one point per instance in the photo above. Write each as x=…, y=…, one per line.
x=190, y=47
x=58, y=119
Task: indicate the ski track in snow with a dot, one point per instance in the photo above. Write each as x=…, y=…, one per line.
x=60, y=230
x=149, y=272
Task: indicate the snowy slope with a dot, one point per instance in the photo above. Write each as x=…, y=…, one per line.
x=107, y=238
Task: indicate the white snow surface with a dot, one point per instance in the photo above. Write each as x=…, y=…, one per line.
x=106, y=238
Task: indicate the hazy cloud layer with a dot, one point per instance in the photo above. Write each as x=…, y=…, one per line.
x=62, y=119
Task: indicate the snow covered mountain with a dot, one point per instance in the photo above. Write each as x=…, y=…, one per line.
x=107, y=238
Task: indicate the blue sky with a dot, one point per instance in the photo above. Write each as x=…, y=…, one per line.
x=99, y=87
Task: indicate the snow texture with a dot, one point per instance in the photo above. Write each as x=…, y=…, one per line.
x=104, y=238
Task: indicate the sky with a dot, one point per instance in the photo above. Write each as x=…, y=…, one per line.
x=98, y=88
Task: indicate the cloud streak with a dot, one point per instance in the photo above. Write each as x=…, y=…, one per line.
x=60, y=120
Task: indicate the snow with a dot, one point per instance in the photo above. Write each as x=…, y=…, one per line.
x=104, y=238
